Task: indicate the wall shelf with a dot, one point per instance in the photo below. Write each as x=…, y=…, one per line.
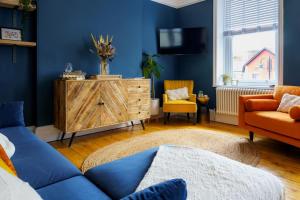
x=13, y=4
x=17, y=43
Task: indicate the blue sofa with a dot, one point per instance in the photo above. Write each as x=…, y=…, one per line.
x=55, y=178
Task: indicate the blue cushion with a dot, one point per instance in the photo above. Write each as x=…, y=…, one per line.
x=76, y=188
x=18, y=135
x=40, y=165
x=11, y=114
x=121, y=177
x=169, y=190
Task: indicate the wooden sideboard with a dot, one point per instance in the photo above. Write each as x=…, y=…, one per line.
x=89, y=104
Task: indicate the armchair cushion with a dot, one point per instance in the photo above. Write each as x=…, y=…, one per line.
x=178, y=94
x=181, y=102
x=175, y=84
x=261, y=105
x=295, y=112
x=180, y=106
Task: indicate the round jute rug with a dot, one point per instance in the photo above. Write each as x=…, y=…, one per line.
x=236, y=148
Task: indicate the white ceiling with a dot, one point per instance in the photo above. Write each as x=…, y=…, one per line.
x=178, y=3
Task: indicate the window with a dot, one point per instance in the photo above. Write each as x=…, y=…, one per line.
x=248, y=42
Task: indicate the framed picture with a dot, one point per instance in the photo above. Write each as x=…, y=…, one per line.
x=11, y=34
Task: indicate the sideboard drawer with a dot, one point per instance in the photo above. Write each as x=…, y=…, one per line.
x=137, y=108
x=138, y=86
x=139, y=99
x=139, y=114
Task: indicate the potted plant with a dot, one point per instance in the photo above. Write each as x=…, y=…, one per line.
x=26, y=5
x=151, y=69
x=105, y=51
x=226, y=79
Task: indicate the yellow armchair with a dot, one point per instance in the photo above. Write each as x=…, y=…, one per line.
x=179, y=106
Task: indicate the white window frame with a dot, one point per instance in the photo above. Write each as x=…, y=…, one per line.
x=218, y=41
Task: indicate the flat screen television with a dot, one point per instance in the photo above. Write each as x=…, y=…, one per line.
x=182, y=41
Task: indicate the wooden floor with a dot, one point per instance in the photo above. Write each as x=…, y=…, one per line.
x=280, y=159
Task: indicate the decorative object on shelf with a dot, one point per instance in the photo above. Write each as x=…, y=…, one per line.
x=76, y=75
x=151, y=69
x=105, y=51
x=105, y=77
x=234, y=82
x=69, y=74
x=16, y=4
x=203, y=99
x=27, y=5
x=226, y=79
x=69, y=67
x=200, y=93
x=16, y=36
x=11, y=34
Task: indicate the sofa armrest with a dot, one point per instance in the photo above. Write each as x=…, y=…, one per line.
x=193, y=98
x=242, y=107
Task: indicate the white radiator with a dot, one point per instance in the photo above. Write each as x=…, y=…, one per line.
x=228, y=102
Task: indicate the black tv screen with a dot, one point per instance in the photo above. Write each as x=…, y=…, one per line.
x=182, y=41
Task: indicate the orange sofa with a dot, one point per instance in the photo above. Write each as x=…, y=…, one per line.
x=258, y=114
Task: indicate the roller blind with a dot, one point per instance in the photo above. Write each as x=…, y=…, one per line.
x=247, y=16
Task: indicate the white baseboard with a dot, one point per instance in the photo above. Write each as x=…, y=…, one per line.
x=50, y=133
x=227, y=119
x=212, y=115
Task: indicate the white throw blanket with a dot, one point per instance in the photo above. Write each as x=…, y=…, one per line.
x=210, y=176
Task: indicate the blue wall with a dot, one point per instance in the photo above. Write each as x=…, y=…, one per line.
x=63, y=36
x=291, y=42
x=159, y=16
x=198, y=67
x=18, y=79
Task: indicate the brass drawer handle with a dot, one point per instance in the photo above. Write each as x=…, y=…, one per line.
x=139, y=86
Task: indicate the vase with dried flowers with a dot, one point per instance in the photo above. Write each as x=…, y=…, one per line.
x=105, y=51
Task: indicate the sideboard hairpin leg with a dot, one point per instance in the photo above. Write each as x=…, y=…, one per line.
x=62, y=136
x=143, y=125
x=71, y=140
